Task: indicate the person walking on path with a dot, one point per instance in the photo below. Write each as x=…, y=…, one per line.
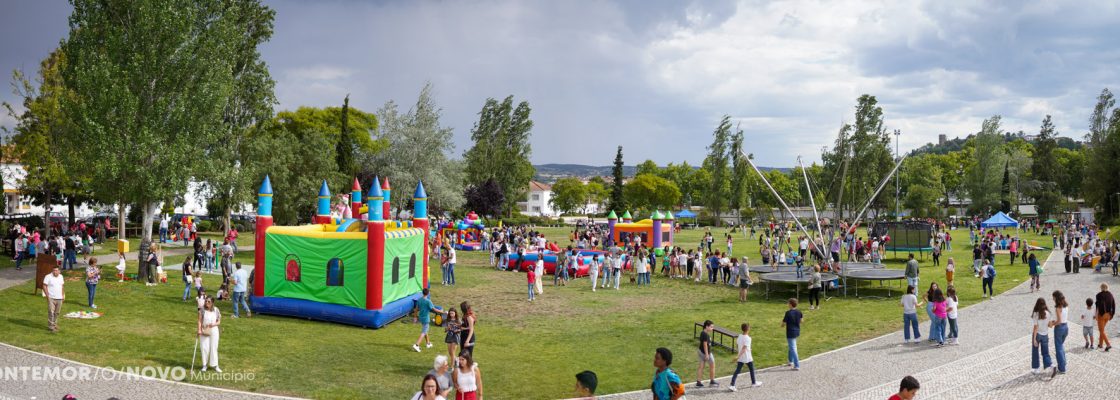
x=910, y=306
x=704, y=353
x=940, y=317
x=424, y=308
x=1034, y=269
x=1040, y=336
x=240, y=286
x=93, y=276
x=187, y=277
x=792, y=322
x=743, y=343
x=208, y=321
x=912, y=271
x=1106, y=308
x=987, y=279
x=1061, y=330
x=1088, y=323
x=54, y=282
x=666, y=384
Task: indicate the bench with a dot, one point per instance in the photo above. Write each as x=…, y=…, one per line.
x=717, y=332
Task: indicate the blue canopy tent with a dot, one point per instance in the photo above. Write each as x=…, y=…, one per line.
x=684, y=214
x=999, y=220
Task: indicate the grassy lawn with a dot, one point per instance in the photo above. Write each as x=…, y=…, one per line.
x=525, y=350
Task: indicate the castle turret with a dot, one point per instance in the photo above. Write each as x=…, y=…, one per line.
x=375, y=247
x=655, y=241
x=626, y=218
x=671, y=221
x=375, y=200
x=323, y=211
x=264, y=220
x=612, y=219
x=355, y=199
x=420, y=220
x=388, y=204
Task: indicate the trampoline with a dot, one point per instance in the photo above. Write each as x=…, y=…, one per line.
x=872, y=275
x=790, y=278
x=766, y=269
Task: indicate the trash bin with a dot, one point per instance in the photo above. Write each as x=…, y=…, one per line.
x=122, y=246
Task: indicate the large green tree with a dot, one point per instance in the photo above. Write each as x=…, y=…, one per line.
x=715, y=198
x=1046, y=171
x=983, y=179
x=501, y=148
x=648, y=192
x=617, y=199
x=859, y=159
x=1102, y=172
x=151, y=81
x=569, y=195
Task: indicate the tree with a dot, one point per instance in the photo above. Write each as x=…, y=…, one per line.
x=648, y=167
x=740, y=170
x=568, y=195
x=1102, y=174
x=648, y=192
x=344, y=149
x=596, y=192
x=420, y=132
x=715, y=199
x=1072, y=165
x=39, y=132
x=151, y=79
x=983, y=178
x=501, y=148
x=618, y=201
x=1045, y=170
x=295, y=171
x=486, y=199
x=921, y=176
x=864, y=144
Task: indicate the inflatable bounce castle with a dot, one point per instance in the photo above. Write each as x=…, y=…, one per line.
x=364, y=272
x=467, y=232
x=655, y=232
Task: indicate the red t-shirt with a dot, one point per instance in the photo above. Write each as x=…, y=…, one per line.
x=532, y=276
x=895, y=397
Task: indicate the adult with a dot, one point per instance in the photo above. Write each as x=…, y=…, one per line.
x=467, y=378
x=1106, y=308
x=704, y=353
x=429, y=390
x=987, y=279
x=586, y=382
x=93, y=276
x=441, y=372
x=1075, y=257
x=815, y=288
x=69, y=252
x=467, y=336
x=225, y=251
x=199, y=257
x=424, y=308
x=792, y=322
x=907, y=389
x=1040, y=341
x=1060, y=323
x=1034, y=269
x=163, y=229
x=153, y=265
x=55, y=296
x=208, y=321
x=666, y=384
x=744, y=273
x=231, y=237
x=912, y=271
x=240, y=286
x=21, y=251
x=910, y=306
x=451, y=260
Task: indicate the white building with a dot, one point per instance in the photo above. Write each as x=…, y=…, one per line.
x=16, y=202
x=538, y=202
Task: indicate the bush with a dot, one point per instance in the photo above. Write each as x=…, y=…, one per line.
x=207, y=225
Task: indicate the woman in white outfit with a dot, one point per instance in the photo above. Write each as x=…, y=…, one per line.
x=208, y=321
x=468, y=378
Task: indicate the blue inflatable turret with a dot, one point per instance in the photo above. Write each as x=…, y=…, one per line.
x=374, y=201
x=324, y=209
x=420, y=202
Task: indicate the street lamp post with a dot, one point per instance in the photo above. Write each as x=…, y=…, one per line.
x=897, y=188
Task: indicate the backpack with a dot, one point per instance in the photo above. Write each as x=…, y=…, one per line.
x=991, y=271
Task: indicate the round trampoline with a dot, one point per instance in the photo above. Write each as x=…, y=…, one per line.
x=790, y=278
x=871, y=275
x=766, y=269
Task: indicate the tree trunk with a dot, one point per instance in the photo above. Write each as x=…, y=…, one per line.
x=120, y=221
x=47, y=214
x=226, y=220
x=70, y=208
x=146, y=239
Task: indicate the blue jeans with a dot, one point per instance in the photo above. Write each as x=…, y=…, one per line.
x=792, y=356
x=240, y=298
x=912, y=282
x=1060, y=333
x=799, y=270
x=940, y=335
x=186, y=290
x=19, y=259
x=986, y=286
x=450, y=273
x=443, y=273
x=932, y=322
x=1044, y=348
x=910, y=323
x=68, y=259
x=607, y=276
x=163, y=235
x=531, y=294
x=92, y=289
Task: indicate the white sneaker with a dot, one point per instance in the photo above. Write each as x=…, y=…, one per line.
x=429, y=345
x=757, y=384
x=203, y=368
x=732, y=388
x=218, y=370
x=417, y=348
x=1036, y=371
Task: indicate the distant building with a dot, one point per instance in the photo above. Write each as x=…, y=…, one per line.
x=941, y=139
x=538, y=202
x=17, y=202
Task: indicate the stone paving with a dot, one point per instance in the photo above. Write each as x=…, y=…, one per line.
x=992, y=361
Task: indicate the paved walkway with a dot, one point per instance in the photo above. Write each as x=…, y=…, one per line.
x=992, y=361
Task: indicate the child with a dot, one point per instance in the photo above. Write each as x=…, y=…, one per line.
x=743, y=343
x=452, y=326
x=532, y=275
x=1088, y=323
x=950, y=267
x=223, y=291
x=121, y=267
x=197, y=281
x=162, y=275
x=792, y=322
x=951, y=307
x=907, y=389
x=201, y=299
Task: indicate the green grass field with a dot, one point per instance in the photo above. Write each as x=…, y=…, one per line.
x=525, y=350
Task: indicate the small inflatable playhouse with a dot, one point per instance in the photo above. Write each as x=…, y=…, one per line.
x=467, y=232
x=358, y=271
x=655, y=232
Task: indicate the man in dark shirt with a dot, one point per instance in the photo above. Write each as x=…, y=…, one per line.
x=706, y=357
x=976, y=255
x=69, y=253
x=792, y=323
x=1106, y=308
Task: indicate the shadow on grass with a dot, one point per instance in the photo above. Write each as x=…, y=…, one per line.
x=28, y=323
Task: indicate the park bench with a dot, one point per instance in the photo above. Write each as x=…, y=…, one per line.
x=717, y=331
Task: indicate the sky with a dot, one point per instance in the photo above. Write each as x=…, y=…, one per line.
x=656, y=76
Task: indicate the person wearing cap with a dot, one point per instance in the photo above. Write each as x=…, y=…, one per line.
x=586, y=382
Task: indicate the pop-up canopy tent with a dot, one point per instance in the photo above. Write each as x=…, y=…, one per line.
x=684, y=214
x=999, y=220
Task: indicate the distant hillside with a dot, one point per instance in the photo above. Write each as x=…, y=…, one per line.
x=549, y=173
x=956, y=144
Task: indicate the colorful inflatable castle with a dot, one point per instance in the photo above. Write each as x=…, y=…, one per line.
x=467, y=232
x=655, y=232
x=364, y=272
